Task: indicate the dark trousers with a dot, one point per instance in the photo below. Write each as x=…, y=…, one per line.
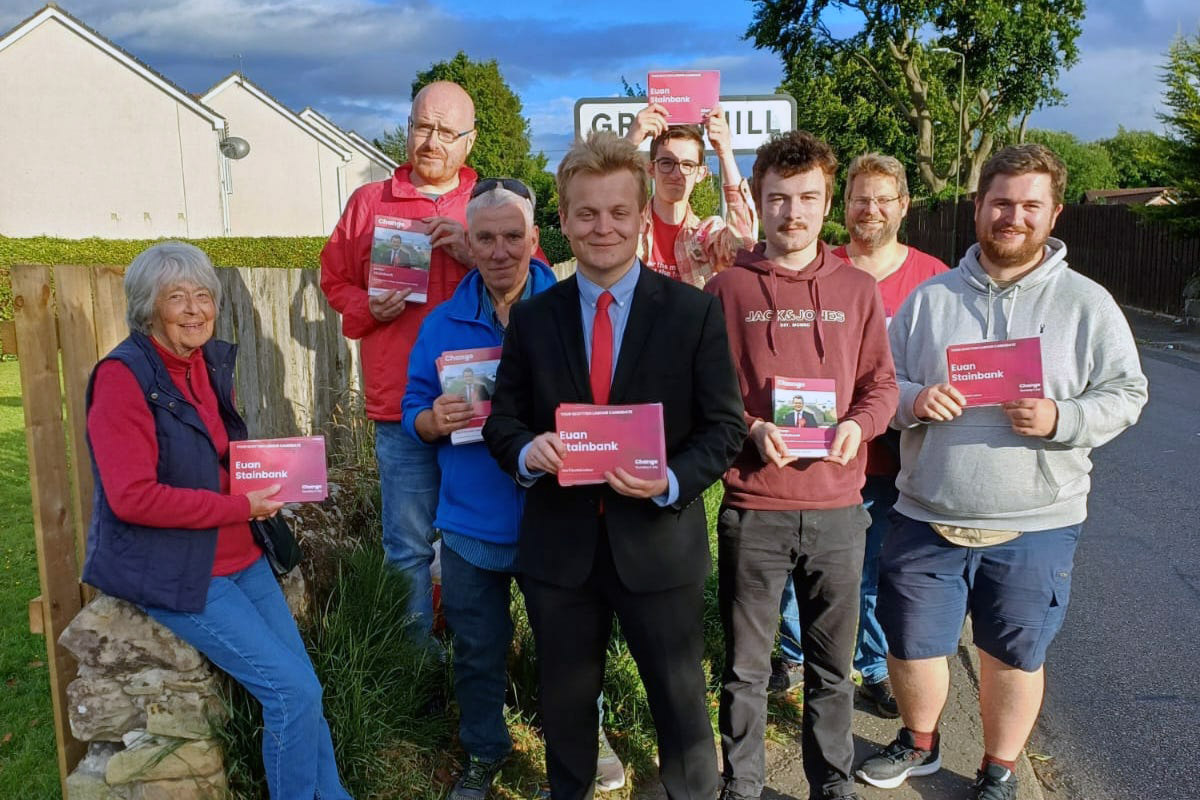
x=822, y=552
x=664, y=632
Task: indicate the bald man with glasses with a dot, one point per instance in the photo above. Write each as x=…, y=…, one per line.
x=433, y=186
x=674, y=240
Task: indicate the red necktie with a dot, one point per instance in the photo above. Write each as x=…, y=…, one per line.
x=602, y=350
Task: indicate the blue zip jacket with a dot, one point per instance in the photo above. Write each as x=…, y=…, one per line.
x=476, y=497
x=163, y=567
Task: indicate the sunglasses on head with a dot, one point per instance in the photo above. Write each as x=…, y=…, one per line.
x=512, y=184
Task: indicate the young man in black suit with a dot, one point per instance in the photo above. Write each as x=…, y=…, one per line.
x=616, y=332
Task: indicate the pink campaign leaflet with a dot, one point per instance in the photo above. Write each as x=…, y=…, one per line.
x=688, y=95
x=296, y=463
x=601, y=438
x=470, y=374
x=805, y=411
x=991, y=373
x=400, y=253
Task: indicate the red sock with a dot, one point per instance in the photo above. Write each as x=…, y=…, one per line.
x=923, y=740
x=988, y=758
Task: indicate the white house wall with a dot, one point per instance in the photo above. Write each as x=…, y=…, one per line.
x=91, y=148
x=288, y=184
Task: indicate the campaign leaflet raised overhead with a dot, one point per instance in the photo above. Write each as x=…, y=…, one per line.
x=296, y=463
x=470, y=374
x=687, y=95
x=991, y=373
x=805, y=412
x=599, y=439
x=400, y=253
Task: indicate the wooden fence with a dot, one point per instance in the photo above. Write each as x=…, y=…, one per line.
x=1141, y=263
x=293, y=365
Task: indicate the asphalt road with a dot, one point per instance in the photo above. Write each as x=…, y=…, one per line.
x=1121, y=719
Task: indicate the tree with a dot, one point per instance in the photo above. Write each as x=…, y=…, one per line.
x=1181, y=77
x=1139, y=157
x=1088, y=163
x=394, y=145
x=839, y=103
x=1013, y=54
x=502, y=146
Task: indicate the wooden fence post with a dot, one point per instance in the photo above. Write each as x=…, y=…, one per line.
x=58, y=570
x=77, y=333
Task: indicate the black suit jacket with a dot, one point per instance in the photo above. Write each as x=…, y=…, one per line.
x=810, y=420
x=675, y=352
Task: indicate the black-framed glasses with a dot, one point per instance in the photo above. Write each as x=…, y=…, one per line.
x=865, y=202
x=668, y=165
x=445, y=135
x=511, y=184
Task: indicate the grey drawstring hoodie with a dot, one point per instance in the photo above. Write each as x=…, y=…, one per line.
x=974, y=471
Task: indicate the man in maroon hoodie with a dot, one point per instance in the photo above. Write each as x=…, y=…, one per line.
x=795, y=310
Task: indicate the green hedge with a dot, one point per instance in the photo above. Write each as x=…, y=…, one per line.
x=267, y=251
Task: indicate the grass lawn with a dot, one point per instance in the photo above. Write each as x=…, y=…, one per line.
x=27, y=761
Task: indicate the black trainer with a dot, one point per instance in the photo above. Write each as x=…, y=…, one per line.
x=476, y=779
x=994, y=783
x=901, y=760
x=730, y=794
x=785, y=676
x=880, y=696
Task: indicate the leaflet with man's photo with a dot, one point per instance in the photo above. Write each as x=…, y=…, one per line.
x=805, y=411
x=470, y=374
x=296, y=463
x=687, y=95
x=400, y=253
x=599, y=439
x=991, y=373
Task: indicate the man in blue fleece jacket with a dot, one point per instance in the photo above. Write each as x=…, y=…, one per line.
x=479, y=506
x=992, y=497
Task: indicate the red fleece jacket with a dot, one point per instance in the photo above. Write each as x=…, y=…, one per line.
x=345, y=265
x=825, y=321
x=121, y=429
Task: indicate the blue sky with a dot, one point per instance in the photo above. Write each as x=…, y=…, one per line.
x=354, y=60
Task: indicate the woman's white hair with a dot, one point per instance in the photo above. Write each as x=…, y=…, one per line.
x=161, y=265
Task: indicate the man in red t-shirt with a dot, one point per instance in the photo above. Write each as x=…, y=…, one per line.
x=433, y=186
x=674, y=241
x=876, y=203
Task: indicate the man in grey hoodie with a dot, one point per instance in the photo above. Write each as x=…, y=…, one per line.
x=992, y=497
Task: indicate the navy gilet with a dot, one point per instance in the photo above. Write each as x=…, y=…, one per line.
x=163, y=567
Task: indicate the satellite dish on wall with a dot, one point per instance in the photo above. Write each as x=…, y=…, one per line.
x=234, y=147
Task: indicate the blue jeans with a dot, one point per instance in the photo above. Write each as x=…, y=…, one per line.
x=408, y=483
x=789, y=625
x=476, y=604
x=870, y=656
x=247, y=630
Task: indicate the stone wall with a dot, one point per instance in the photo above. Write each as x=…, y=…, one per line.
x=148, y=705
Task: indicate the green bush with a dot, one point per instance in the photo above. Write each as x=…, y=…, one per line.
x=555, y=246
x=834, y=233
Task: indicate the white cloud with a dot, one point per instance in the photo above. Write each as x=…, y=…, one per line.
x=1109, y=87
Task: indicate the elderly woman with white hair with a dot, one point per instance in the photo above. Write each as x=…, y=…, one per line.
x=167, y=534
